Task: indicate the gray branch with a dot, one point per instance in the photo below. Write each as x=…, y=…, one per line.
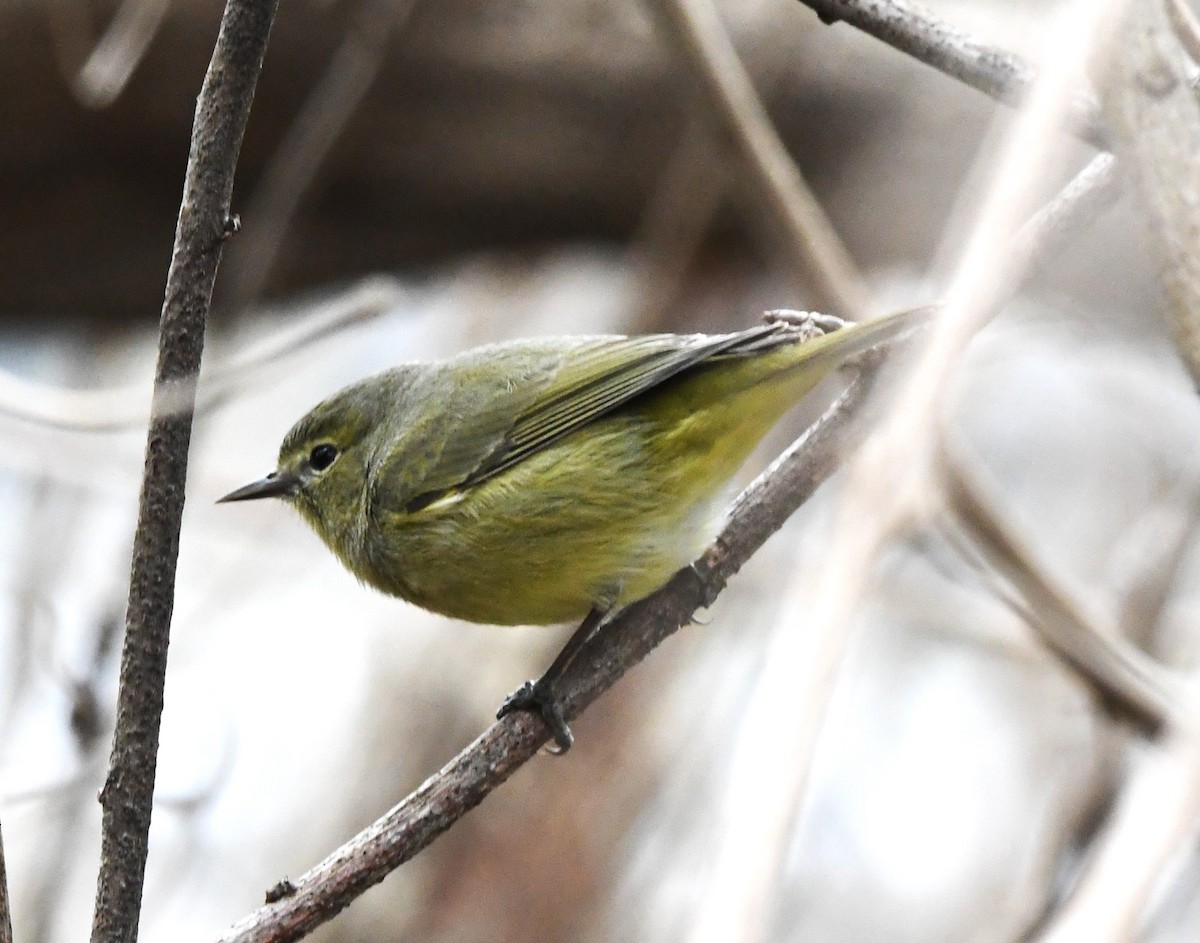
x=204, y=223
x=917, y=32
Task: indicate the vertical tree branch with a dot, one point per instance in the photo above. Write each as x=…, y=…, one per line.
x=1156, y=120
x=204, y=223
x=5, y=911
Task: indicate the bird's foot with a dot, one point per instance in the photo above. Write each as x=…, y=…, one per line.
x=539, y=698
x=711, y=584
x=811, y=324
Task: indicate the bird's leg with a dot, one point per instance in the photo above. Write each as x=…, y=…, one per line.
x=539, y=696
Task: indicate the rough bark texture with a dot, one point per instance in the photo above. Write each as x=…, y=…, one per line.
x=127, y=797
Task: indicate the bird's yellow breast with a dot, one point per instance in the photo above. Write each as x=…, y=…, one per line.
x=601, y=518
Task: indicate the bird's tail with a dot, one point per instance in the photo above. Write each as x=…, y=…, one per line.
x=845, y=343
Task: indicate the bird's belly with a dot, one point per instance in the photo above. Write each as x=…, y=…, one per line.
x=546, y=567
x=548, y=541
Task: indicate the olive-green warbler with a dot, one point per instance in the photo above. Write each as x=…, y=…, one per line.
x=547, y=480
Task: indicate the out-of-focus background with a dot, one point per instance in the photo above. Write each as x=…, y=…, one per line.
x=421, y=177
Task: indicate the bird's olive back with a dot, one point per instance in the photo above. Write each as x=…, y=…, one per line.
x=450, y=419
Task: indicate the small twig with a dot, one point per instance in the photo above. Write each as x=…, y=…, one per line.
x=1124, y=679
x=837, y=285
x=917, y=32
x=6, y=935
x=332, y=102
x=493, y=757
x=127, y=797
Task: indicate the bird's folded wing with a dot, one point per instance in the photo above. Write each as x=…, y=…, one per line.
x=501, y=417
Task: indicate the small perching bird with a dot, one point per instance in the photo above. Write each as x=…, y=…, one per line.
x=549, y=480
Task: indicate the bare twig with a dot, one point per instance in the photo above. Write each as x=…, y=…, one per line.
x=490, y=760
x=373, y=296
x=204, y=222
x=294, y=165
x=1156, y=120
x=836, y=283
x=993, y=71
x=1124, y=679
x=5, y=908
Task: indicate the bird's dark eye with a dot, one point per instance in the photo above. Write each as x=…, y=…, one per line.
x=322, y=456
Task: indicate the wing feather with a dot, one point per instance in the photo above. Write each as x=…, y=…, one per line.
x=594, y=386
x=499, y=410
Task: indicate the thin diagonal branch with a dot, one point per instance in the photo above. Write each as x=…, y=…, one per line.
x=1125, y=680
x=493, y=757
x=204, y=222
x=119, y=52
x=990, y=69
x=1090, y=192
x=836, y=282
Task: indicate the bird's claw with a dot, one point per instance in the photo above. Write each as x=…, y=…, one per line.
x=711, y=583
x=811, y=324
x=540, y=699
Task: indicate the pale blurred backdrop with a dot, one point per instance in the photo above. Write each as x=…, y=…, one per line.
x=431, y=176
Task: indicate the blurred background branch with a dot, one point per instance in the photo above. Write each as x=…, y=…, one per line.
x=1155, y=115
x=476, y=171
x=1125, y=682
x=119, y=51
x=993, y=71
x=123, y=408
x=289, y=175
x=696, y=27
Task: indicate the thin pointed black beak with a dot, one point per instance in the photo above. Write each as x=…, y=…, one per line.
x=274, y=485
